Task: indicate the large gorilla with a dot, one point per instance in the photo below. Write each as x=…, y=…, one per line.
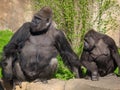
x=31, y=53
x=100, y=55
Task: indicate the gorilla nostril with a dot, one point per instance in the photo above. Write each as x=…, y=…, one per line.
x=47, y=19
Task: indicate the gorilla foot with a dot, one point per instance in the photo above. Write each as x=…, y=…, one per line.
x=111, y=74
x=87, y=77
x=14, y=87
x=95, y=76
x=44, y=81
x=36, y=80
x=41, y=80
x=16, y=82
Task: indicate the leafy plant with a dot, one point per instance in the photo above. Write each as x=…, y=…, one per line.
x=5, y=36
x=63, y=72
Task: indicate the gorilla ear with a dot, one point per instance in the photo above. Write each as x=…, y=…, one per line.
x=48, y=22
x=45, y=12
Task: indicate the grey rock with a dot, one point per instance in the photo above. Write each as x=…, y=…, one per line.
x=105, y=83
x=115, y=35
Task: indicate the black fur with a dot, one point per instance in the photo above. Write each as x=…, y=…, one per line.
x=100, y=55
x=32, y=53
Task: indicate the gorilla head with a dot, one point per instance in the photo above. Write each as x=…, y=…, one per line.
x=91, y=39
x=41, y=20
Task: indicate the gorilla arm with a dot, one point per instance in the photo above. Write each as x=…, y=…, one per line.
x=18, y=39
x=113, y=49
x=66, y=52
x=11, y=49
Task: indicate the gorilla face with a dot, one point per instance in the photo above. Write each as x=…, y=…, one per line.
x=41, y=20
x=89, y=43
x=39, y=24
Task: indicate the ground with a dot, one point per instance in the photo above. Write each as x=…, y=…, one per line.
x=105, y=83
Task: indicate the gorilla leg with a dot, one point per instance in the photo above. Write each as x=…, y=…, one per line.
x=77, y=72
x=116, y=57
x=114, y=50
x=53, y=65
x=18, y=75
x=12, y=71
x=1, y=85
x=6, y=65
x=48, y=71
x=18, y=72
x=92, y=69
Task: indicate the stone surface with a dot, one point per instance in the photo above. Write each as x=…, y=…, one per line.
x=104, y=83
x=115, y=35
x=13, y=13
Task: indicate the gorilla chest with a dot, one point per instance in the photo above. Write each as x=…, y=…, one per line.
x=39, y=45
x=101, y=49
x=41, y=40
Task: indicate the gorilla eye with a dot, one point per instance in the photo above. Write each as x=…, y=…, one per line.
x=4, y=64
x=36, y=20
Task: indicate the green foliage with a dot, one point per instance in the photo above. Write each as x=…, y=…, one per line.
x=63, y=72
x=116, y=71
x=119, y=51
x=5, y=36
x=0, y=73
x=84, y=13
x=106, y=15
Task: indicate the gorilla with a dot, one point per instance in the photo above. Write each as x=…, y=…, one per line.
x=100, y=55
x=31, y=53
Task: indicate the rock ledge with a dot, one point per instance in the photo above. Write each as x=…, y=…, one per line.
x=104, y=83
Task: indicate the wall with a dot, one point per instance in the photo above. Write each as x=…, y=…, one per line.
x=13, y=13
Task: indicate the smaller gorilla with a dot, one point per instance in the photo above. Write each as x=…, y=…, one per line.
x=100, y=55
